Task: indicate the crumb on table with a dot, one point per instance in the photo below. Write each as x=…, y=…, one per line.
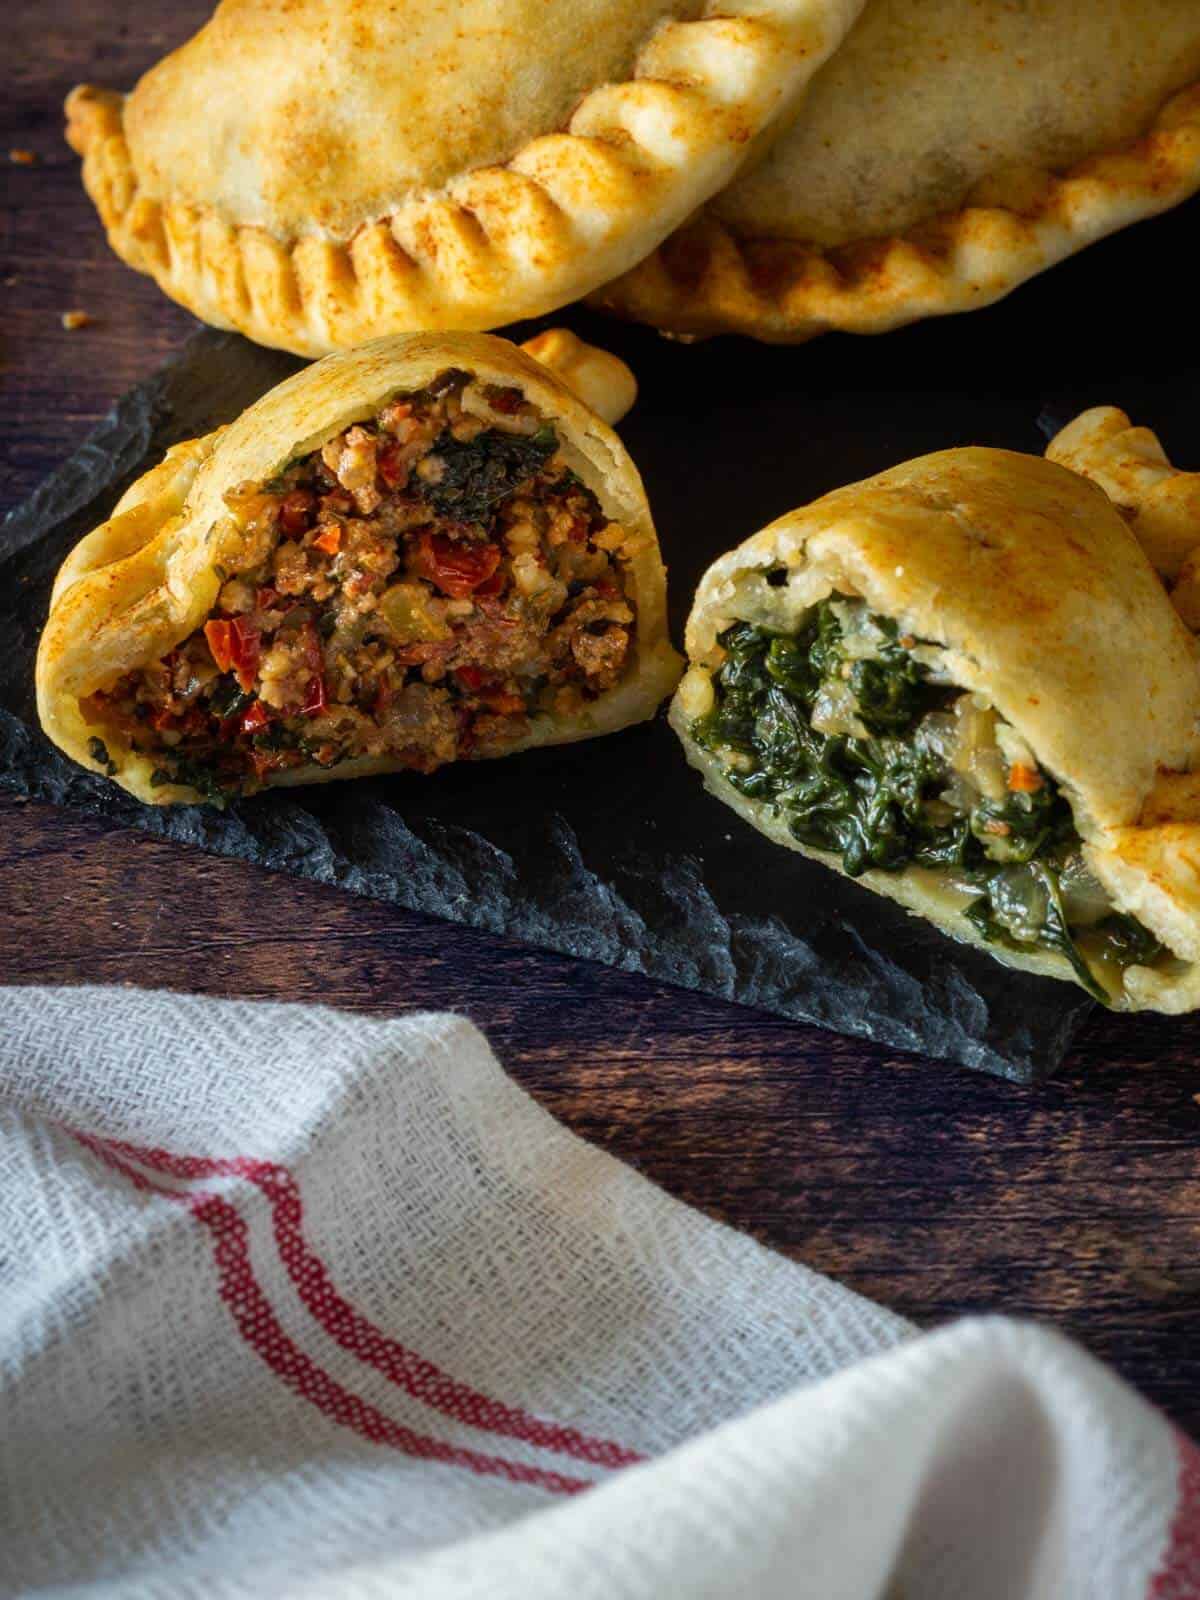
x=23, y=158
x=76, y=319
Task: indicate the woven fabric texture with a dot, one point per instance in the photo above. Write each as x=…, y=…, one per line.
x=294, y=1303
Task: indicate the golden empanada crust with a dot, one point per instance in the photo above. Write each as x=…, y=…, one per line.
x=949, y=150
x=317, y=176
x=147, y=578
x=1045, y=604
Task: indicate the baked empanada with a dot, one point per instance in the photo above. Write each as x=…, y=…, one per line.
x=962, y=683
x=422, y=551
x=946, y=153
x=319, y=175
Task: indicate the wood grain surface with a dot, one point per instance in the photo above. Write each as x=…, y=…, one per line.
x=932, y=1189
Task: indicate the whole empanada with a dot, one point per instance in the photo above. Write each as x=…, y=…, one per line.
x=962, y=683
x=319, y=175
x=949, y=150
x=422, y=551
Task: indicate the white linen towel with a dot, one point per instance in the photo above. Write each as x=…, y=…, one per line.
x=294, y=1303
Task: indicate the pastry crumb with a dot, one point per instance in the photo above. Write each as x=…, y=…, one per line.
x=23, y=158
x=77, y=319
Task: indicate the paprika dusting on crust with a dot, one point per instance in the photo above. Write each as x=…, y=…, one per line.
x=417, y=589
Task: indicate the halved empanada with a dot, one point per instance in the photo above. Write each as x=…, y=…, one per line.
x=319, y=175
x=946, y=153
x=962, y=682
x=418, y=552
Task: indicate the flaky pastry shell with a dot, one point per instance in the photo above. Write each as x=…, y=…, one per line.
x=945, y=154
x=145, y=580
x=319, y=176
x=1044, y=603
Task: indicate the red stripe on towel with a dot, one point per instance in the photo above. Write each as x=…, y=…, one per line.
x=1179, y=1576
x=261, y=1329
x=406, y=1368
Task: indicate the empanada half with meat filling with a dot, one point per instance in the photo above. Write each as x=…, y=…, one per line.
x=962, y=683
x=423, y=551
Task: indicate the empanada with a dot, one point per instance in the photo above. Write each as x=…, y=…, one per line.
x=422, y=551
x=318, y=175
x=949, y=150
x=962, y=683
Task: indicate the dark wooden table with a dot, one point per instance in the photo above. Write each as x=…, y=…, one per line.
x=929, y=1188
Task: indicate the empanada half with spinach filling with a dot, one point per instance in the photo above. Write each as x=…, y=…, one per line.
x=319, y=175
x=962, y=683
x=423, y=551
x=947, y=152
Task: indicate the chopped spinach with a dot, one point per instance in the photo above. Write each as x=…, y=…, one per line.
x=193, y=774
x=863, y=799
x=98, y=751
x=477, y=474
x=1020, y=827
x=229, y=699
x=1006, y=917
x=275, y=737
x=877, y=802
x=1125, y=939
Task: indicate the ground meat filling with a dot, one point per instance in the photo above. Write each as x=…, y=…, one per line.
x=417, y=589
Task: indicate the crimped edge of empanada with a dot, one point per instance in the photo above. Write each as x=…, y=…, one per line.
x=707, y=279
x=142, y=581
x=567, y=212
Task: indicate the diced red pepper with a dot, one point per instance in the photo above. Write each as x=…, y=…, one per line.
x=247, y=651
x=236, y=646
x=255, y=717
x=506, y=401
x=456, y=569
x=219, y=634
x=1024, y=780
x=481, y=684
x=492, y=585
x=330, y=540
x=296, y=512
x=391, y=467
x=502, y=702
x=264, y=761
x=315, y=699
x=190, y=720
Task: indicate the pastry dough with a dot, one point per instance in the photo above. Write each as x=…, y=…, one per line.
x=949, y=150
x=1160, y=503
x=317, y=176
x=1021, y=607
x=138, y=591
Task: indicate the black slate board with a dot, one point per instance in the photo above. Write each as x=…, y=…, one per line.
x=611, y=850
